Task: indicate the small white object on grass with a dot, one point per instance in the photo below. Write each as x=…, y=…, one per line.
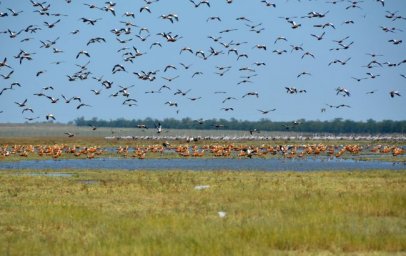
x=222, y=214
x=201, y=187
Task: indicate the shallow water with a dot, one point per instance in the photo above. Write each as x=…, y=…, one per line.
x=51, y=174
x=308, y=164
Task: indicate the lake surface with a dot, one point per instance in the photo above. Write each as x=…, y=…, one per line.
x=309, y=164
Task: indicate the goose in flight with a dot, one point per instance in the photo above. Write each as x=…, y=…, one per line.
x=155, y=44
x=264, y=112
x=143, y=39
x=13, y=34
x=110, y=8
x=169, y=79
x=4, y=89
x=394, y=93
x=92, y=6
x=244, y=81
x=158, y=127
x=233, y=50
x=171, y=17
x=53, y=100
x=213, y=18
x=374, y=55
x=199, y=121
x=96, y=40
x=8, y=76
x=197, y=73
x=215, y=39
x=96, y=92
x=371, y=92
x=251, y=94
x=22, y=104
x=194, y=98
x=303, y=73
x=218, y=126
x=50, y=116
x=13, y=12
x=320, y=37
x=183, y=93
x=82, y=52
x=329, y=24
x=294, y=25
x=308, y=54
x=345, y=46
x=343, y=91
x=268, y=4
x=260, y=64
x=168, y=67
x=67, y=101
x=82, y=105
x=343, y=106
x=228, y=30
x=27, y=109
x=291, y=90
x=185, y=66
x=339, y=61
x=372, y=76
x=172, y=103
x=51, y=25
x=227, y=109
x=31, y=118
x=296, y=47
x=164, y=87
x=40, y=72
x=90, y=21
x=359, y=79
x=229, y=98
x=214, y=52
x=279, y=52
x=242, y=18
x=4, y=64
x=280, y=38
x=348, y=22
x=260, y=46
x=395, y=41
x=206, y=2
x=188, y=49
x=46, y=88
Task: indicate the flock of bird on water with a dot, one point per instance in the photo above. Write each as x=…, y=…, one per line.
x=166, y=149
x=129, y=35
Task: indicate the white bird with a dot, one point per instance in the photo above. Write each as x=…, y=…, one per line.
x=158, y=127
x=50, y=116
x=201, y=187
x=222, y=214
x=394, y=93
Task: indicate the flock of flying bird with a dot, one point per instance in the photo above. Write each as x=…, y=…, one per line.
x=128, y=39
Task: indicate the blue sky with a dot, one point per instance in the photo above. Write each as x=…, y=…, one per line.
x=268, y=81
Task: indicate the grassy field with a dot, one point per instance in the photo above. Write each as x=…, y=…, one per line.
x=161, y=213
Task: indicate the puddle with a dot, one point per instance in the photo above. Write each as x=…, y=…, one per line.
x=51, y=174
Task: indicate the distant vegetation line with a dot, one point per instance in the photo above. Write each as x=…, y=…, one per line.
x=336, y=126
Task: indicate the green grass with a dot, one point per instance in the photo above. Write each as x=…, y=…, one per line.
x=160, y=213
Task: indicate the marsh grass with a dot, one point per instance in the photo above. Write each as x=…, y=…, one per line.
x=160, y=213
